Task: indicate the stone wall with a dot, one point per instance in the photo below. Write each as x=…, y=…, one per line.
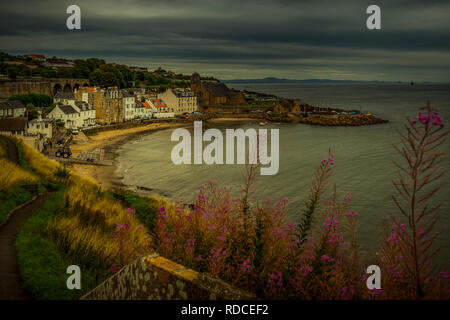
x=156, y=278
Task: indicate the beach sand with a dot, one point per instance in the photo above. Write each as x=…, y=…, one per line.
x=106, y=175
x=103, y=173
x=117, y=136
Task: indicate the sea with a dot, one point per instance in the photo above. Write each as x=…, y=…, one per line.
x=363, y=155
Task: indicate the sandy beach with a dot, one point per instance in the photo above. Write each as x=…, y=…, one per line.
x=116, y=136
x=104, y=173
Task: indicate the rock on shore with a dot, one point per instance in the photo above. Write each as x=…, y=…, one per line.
x=342, y=120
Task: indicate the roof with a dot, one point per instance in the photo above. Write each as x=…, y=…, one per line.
x=126, y=94
x=146, y=105
x=37, y=56
x=13, y=124
x=39, y=121
x=182, y=93
x=65, y=95
x=217, y=89
x=233, y=93
x=83, y=105
x=158, y=103
x=67, y=109
x=88, y=89
x=12, y=104
x=139, y=104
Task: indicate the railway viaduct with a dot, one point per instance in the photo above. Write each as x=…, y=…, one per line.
x=48, y=86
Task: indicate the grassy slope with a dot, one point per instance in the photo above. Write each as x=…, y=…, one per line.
x=43, y=268
x=146, y=208
x=11, y=199
x=15, y=197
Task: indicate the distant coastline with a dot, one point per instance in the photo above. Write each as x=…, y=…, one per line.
x=283, y=80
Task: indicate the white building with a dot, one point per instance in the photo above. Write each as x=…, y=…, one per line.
x=160, y=109
x=40, y=126
x=66, y=113
x=77, y=114
x=129, y=106
x=143, y=110
x=12, y=109
x=179, y=100
x=87, y=114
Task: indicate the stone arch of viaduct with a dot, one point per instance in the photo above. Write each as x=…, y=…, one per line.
x=9, y=87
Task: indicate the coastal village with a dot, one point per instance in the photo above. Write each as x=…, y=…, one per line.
x=87, y=106
x=133, y=245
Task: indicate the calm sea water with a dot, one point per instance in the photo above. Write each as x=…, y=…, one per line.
x=363, y=155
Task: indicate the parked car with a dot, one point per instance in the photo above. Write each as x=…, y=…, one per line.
x=64, y=152
x=75, y=131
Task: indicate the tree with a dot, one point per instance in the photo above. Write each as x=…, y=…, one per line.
x=31, y=111
x=36, y=99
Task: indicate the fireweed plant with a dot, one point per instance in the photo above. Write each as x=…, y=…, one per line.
x=254, y=246
x=407, y=251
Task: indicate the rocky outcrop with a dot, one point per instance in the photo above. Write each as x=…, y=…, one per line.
x=342, y=120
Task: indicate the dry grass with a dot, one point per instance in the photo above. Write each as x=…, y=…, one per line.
x=12, y=175
x=94, y=229
x=97, y=229
x=42, y=165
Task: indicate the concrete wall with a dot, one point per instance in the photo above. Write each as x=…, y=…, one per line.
x=157, y=278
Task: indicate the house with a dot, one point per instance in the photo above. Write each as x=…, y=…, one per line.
x=12, y=109
x=64, y=97
x=41, y=126
x=85, y=94
x=158, y=105
x=289, y=106
x=129, y=105
x=180, y=100
x=144, y=110
x=66, y=113
x=13, y=125
x=87, y=114
x=38, y=57
x=55, y=65
x=108, y=103
x=214, y=93
x=77, y=114
x=138, y=69
x=160, y=109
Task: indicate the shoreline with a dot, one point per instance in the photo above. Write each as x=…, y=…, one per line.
x=106, y=174
x=105, y=171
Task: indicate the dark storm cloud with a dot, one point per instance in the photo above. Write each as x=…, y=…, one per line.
x=293, y=39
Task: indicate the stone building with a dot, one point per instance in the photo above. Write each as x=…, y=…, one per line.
x=288, y=105
x=214, y=93
x=108, y=103
x=180, y=100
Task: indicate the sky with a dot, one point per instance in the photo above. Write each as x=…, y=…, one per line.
x=242, y=39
